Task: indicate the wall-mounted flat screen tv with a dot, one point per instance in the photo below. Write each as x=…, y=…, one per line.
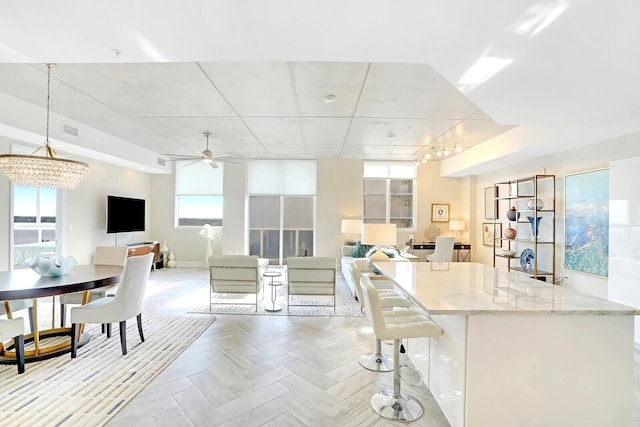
x=124, y=214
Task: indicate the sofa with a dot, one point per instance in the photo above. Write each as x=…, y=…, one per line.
x=347, y=259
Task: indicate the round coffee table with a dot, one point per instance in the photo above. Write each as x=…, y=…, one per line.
x=273, y=284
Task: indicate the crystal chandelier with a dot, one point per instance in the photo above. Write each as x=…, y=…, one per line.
x=43, y=171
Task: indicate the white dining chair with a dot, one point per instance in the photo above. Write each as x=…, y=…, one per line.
x=104, y=255
x=14, y=329
x=443, y=251
x=127, y=303
x=12, y=306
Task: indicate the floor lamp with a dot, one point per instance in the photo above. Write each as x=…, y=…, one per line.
x=379, y=235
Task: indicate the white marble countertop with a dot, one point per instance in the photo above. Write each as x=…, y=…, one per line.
x=473, y=288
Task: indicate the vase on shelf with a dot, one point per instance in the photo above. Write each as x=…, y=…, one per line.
x=510, y=233
x=535, y=226
x=512, y=214
x=535, y=204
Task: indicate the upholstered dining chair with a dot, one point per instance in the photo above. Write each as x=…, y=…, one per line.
x=104, y=255
x=7, y=307
x=126, y=304
x=443, y=251
x=14, y=329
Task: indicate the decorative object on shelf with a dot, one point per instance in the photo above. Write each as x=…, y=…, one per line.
x=586, y=230
x=508, y=253
x=510, y=233
x=513, y=214
x=51, y=265
x=535, y=204
x=43, y=171
x=172, y=260
x=431, y=232
x=439, y=212
x=526, y=259
x=535, y=226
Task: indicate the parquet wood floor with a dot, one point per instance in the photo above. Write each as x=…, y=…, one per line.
x=250, y=370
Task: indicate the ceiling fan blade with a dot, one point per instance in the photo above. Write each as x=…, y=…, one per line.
x=228, y=161
x=195, y=161
x=214, y=165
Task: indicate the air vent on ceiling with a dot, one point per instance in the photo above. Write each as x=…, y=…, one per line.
x=161, y=161
x=69, y=130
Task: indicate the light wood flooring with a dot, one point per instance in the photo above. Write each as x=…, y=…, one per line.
x=251, y=370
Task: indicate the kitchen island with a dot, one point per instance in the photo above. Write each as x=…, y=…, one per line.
x=517, y=351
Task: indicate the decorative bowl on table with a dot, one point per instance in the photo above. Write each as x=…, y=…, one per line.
x=51, y=266
x=507, y=253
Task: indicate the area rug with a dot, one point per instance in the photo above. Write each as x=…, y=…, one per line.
x=89, y=390
x=346, y=304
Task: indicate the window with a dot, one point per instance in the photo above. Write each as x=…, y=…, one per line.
x=390, y=193
x=199, y=194
x=281, y=208
x=34, y=222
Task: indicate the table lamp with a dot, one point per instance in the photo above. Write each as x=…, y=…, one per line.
x=379, y=235
x=456, y=225
x=351, y=227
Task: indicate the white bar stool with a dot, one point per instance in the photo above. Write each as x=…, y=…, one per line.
x=396, y=325
x=390, y=299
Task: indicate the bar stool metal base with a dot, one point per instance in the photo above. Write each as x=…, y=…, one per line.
x=405, y=409
x=376, y=362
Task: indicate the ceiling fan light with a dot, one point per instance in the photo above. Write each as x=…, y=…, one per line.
x=207, y=160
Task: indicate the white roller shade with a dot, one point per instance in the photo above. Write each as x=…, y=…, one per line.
x=199, y=178
x=285, y=177
x=390, y=170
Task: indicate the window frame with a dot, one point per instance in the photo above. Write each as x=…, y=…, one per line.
x=389, y=173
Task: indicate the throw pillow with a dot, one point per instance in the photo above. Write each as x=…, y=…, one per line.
x=360, y=250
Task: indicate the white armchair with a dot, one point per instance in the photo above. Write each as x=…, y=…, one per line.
x=311, y=276
x=104, y=255
x=443, y=251
x=233, y=274
x=127, y=303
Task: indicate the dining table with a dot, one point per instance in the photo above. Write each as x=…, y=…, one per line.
x=27, y=284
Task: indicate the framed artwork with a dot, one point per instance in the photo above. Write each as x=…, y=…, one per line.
x=586, y=227
x=490, y=231
x=439, y=212
x=490, y=203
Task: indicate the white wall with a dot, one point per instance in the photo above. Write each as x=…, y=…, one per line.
x=5, y=212
x=624, y=234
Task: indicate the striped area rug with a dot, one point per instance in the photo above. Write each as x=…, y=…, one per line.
x=89, y=390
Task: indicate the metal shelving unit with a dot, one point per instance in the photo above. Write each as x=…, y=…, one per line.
x=519, y=193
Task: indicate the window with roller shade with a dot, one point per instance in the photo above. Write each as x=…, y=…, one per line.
x=199, y=194
x=281, y=208
x=390, y=193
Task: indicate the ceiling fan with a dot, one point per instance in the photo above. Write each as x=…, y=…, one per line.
x=206, y=156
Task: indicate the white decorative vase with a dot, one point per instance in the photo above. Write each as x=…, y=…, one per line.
x=172, y=260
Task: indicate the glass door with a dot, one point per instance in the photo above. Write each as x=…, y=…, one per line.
x=280, y=227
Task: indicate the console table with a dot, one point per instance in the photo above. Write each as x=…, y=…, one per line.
x=462, y=250
x=143, y=248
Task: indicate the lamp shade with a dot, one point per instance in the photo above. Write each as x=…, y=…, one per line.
x=351, y=226
x=456, y=225
x=379, y=234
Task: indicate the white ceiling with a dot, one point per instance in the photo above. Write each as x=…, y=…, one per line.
x=254, y=74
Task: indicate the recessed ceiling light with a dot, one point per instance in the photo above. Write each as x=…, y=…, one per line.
x=329, y=99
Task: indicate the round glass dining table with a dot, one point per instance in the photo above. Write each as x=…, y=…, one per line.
x=27, y=284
